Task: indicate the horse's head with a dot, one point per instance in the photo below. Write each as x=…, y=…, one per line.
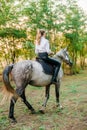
x=63, y=55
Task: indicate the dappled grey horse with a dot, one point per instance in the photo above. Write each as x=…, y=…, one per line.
x=31, y=72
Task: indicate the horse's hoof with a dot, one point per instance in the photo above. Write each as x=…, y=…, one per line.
x=42, y=111
x=13, y=120
x=33, y=112
x=60, y=106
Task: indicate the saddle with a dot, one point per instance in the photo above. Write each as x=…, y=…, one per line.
x=47, y=68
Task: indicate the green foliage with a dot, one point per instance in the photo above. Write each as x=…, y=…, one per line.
x=26, y=128
x=3, y=122
x=12, y=32
x=7, y=11
x=40, y=14
x=28, y=49
x=42, y=127
x=28, y=45
x=75, y=20
x=65, y=23
x=73, y=89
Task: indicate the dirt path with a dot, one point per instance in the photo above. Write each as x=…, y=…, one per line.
x=73, y=116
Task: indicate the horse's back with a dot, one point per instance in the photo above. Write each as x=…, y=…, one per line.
x=22, y=66
x=21, y=71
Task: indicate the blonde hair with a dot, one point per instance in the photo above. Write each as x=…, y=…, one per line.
x=39, y=34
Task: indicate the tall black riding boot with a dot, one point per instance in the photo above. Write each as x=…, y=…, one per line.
x=54, y=80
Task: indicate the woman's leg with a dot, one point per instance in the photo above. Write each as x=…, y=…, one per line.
x=44, y=56
x=56, y=70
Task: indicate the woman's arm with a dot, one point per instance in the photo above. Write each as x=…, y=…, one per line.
x=48, y=48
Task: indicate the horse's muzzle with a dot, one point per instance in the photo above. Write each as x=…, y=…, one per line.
x=69, y=62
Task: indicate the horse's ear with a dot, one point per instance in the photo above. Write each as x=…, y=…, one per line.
x=65, y=49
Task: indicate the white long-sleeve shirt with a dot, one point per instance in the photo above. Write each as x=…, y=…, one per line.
x=43, y=46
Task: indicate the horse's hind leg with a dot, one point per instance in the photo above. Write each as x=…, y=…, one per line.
x=47, y=89
x=11, y=109
x=26, y=102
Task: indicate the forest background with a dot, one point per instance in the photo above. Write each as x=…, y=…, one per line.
x=64, y=21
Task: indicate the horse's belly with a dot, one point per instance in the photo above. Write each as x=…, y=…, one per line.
x=41, y=81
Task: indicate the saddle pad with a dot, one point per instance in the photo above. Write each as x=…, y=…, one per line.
x=48, y=68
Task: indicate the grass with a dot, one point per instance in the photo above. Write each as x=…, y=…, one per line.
x=73, y=116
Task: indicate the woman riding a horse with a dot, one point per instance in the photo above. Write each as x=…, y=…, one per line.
x=43, y=50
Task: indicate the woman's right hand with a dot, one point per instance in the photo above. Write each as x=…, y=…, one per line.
x=51, y=53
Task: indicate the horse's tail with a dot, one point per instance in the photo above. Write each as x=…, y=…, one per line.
x=7, y=90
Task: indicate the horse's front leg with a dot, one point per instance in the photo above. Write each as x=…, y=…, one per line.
x=47, y=89
x=57, y=92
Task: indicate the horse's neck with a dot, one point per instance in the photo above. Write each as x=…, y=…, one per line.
x=58, y=58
